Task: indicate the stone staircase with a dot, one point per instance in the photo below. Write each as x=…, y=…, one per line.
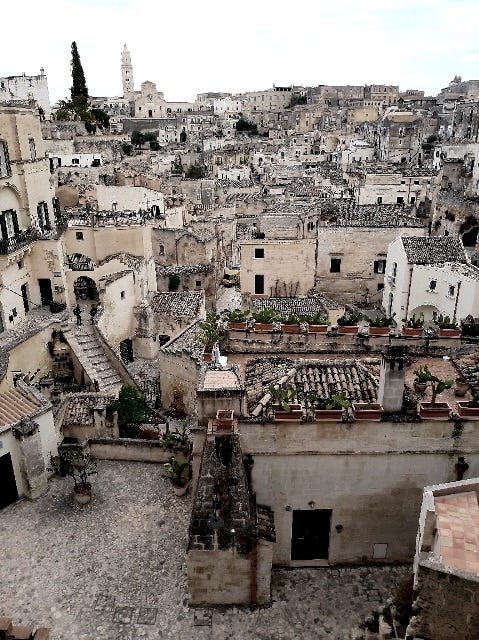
x=93, y=358
x=9, y=631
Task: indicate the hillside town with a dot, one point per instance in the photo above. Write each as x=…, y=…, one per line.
x=239, y=361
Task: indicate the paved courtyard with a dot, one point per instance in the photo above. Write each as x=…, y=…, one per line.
x=115, y=570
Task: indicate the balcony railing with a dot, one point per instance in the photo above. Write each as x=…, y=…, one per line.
x=19, y=240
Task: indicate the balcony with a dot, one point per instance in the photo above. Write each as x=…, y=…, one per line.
x=21, y=239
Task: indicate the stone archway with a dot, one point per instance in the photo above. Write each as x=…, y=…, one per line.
x=85, y=289
x=428, y=311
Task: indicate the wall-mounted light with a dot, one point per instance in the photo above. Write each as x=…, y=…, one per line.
x=312, y=504
x=287, y=508
x=339, y=528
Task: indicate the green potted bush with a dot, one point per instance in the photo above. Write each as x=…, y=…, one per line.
x=413, y=327
x=290, y=324
x=348, y=322
x=381, y=325
x=176, y=472
x=237, y=320
x=331, y=408
x=421, y=379
x=448, y=328
x=78, y=465
x=283, y=408
x=434, y=410
x=371, y=411
x=317, y=322
x=469, y=409
x=264, y=319
x=211, y=333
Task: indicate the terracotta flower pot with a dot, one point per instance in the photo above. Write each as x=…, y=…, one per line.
x=437, y=411
x=180, y=490
x=368, y=411
x=449, y=333
x=465, y=411
x=420, y=387
x=349, y=328
x=317, y=328
x=263, y=326
x=237, y=326
x=412, y=332
x=290, y=328
x=294, y=415
x=82, y=494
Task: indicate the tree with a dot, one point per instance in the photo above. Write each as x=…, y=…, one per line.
x=245, y=125
x=101, y=117
x=132, y=409
x=195, y=172
x=78, y=90
x=137, y=138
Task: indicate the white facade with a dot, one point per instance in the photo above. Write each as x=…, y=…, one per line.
x=27, y=88
x=75, y=160
x=227, y=105
x=127, y=73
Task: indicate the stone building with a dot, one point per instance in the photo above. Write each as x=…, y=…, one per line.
x=377, y=95
x=400, y=138
x=26, y=88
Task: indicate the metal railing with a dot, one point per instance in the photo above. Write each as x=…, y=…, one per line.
x=19, y=240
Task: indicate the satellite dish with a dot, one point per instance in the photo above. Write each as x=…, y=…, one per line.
x=215, y=523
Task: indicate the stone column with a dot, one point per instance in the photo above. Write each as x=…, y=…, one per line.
x=32, y=464
x=391, y=379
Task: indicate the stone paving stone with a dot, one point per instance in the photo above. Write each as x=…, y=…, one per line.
x=73, y=568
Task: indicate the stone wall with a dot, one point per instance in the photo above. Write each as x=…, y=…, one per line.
x=131, y=450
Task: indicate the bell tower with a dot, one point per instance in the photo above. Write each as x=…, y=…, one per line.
x=127, y=73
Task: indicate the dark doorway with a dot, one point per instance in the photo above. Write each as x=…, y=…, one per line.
x=8, y=492
x=85, y=289
x=310, y=536
x=126, y=350
x=259, y=284
x=24, y=291
x=46, y=294
x=468, y=231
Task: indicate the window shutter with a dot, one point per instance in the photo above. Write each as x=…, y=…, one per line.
x=16, y=228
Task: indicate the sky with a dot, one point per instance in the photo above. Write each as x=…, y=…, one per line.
x=190, y=46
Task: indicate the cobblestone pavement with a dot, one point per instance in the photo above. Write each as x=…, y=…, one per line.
x=115, y=570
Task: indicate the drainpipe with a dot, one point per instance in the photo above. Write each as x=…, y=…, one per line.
x=457, y=298
x=409, y=291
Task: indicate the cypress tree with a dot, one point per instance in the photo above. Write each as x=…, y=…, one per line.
x=79, y=90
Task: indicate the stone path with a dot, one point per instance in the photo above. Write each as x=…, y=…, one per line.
x=115, y=570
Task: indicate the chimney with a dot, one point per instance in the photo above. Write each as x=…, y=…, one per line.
x=391, y=378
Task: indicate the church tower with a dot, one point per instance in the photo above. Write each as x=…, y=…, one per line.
x=127, y=73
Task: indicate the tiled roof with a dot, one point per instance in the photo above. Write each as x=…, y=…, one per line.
x=187, y=342
x=217, y=379
x=323, y=377
x=287, y=306
x=434, y=250
x=81, y=405
x=16, y=404
x=458, y=526
x=182, y=304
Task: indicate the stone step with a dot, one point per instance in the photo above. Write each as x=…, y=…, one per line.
x=20, y=632
x=5, y=625
x=42, y=633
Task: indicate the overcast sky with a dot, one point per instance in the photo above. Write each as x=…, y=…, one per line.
x=188, y=46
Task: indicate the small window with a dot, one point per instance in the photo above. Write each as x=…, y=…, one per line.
x=79, y=235
x=416, y=181
x=380, y=286
x=75, y=161
x=198, y=283
x=400, y=200
x=259, y=253
x=259, y=284
x=14, y=312
x=380, y=199
x=122, y=295
x=20, y=264
x=335, y=266
x=379, y=266
x=33, y=151
x=432, y=285
x=452, y=290
x=5, y=170
x=395, y=269
x=161, y=250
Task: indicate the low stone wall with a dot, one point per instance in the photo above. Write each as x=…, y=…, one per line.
x=256, y=342
x=133, y=450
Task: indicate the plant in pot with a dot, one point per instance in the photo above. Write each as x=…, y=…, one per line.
x=371, y=411
x=264, y=319
x=78, y=465
x=317, y=322
x=176, y=473
x=421, y=379
x=348, y=322
x=283, y=407
x=211, y=333
x=413, y=327
x=448, y=328
x=331, y=408
x=381, y=325
x=237, y=319
x=469, y=409
x=290, y=324
x=435, y=410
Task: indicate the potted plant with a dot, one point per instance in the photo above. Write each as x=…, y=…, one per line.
x=448, y=328
x=264, y=319
x=381, y=325
x=332, y=408
x=317, y=323
x=211, y=333
x=237, y=320
x=469, y=409
x=435, y=410
x=421, y=380
x=461, y=387
x=175, y=472
x=348, y=322
x=78, y=465
x=371, y=411
x=413, y=326
x=290, y=324
x=282, y=406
